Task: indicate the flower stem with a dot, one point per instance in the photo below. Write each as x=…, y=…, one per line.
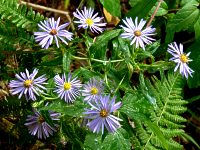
x=154, y=13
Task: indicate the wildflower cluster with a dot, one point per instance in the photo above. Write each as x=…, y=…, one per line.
x=68, y=89
x=50, y=29
x=100, y=115
x=133, y=30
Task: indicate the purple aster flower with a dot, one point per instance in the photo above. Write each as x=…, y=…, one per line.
x=92, y=89
x=101, y=116
x=38, y=126
x=136, y=33
x=51, y=30
x=27, y=84
x=180, y=58
x=67, y=88
x=88, y=20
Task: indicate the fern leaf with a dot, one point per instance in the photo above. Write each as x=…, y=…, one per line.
x=163, y=112
x=14, y=37
x=19, y=14
x=166, y=93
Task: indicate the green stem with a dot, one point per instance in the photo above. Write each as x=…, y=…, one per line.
x=97, y=60
x=119, y=84
x=155, y=65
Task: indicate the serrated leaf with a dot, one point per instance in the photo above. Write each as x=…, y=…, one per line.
x=184, y=19
x=117, y=140
x=144, y=5
x=112, y=6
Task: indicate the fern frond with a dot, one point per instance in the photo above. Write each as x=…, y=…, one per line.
x=19, y=14
x=164, y=115
x=169, y=124
x=14, y=37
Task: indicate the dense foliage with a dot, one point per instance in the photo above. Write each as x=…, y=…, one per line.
x=115, y=82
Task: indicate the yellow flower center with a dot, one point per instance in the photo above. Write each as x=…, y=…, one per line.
x=94, y=91
x=103, y=113
x=53, y=32
x=67, y=85
x=41, y=119
x=89, y=21
x=137, y=33
x=184, y=58
x=27, y=83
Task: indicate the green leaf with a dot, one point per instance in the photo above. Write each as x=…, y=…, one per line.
x=188, y=137
x=47, y=117
x=158, y=133
x=124, y=48
x=19, y=14
x=184, y=19
x=186, y=2
x=141, y=9
x=117, y=140
x=86, y=73
x=197, y=29
x=98, y=49
x=156, y=125
x=194, y=81
x=163, y=9
x=134, y=2
x=156, y=66
x=92, y=141
x=103, y=39
x=135, y=106
x=145, y=90
x=75, y=110
x=112, y=6
x=66, y=61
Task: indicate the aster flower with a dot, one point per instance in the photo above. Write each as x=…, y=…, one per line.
x=136, y=33
x=38, y=126
x=88, y=20
x=92, y=89
x=101, y=116
x=50, y=30
x=67, y=88
x=27, y=84
x=180, y=58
